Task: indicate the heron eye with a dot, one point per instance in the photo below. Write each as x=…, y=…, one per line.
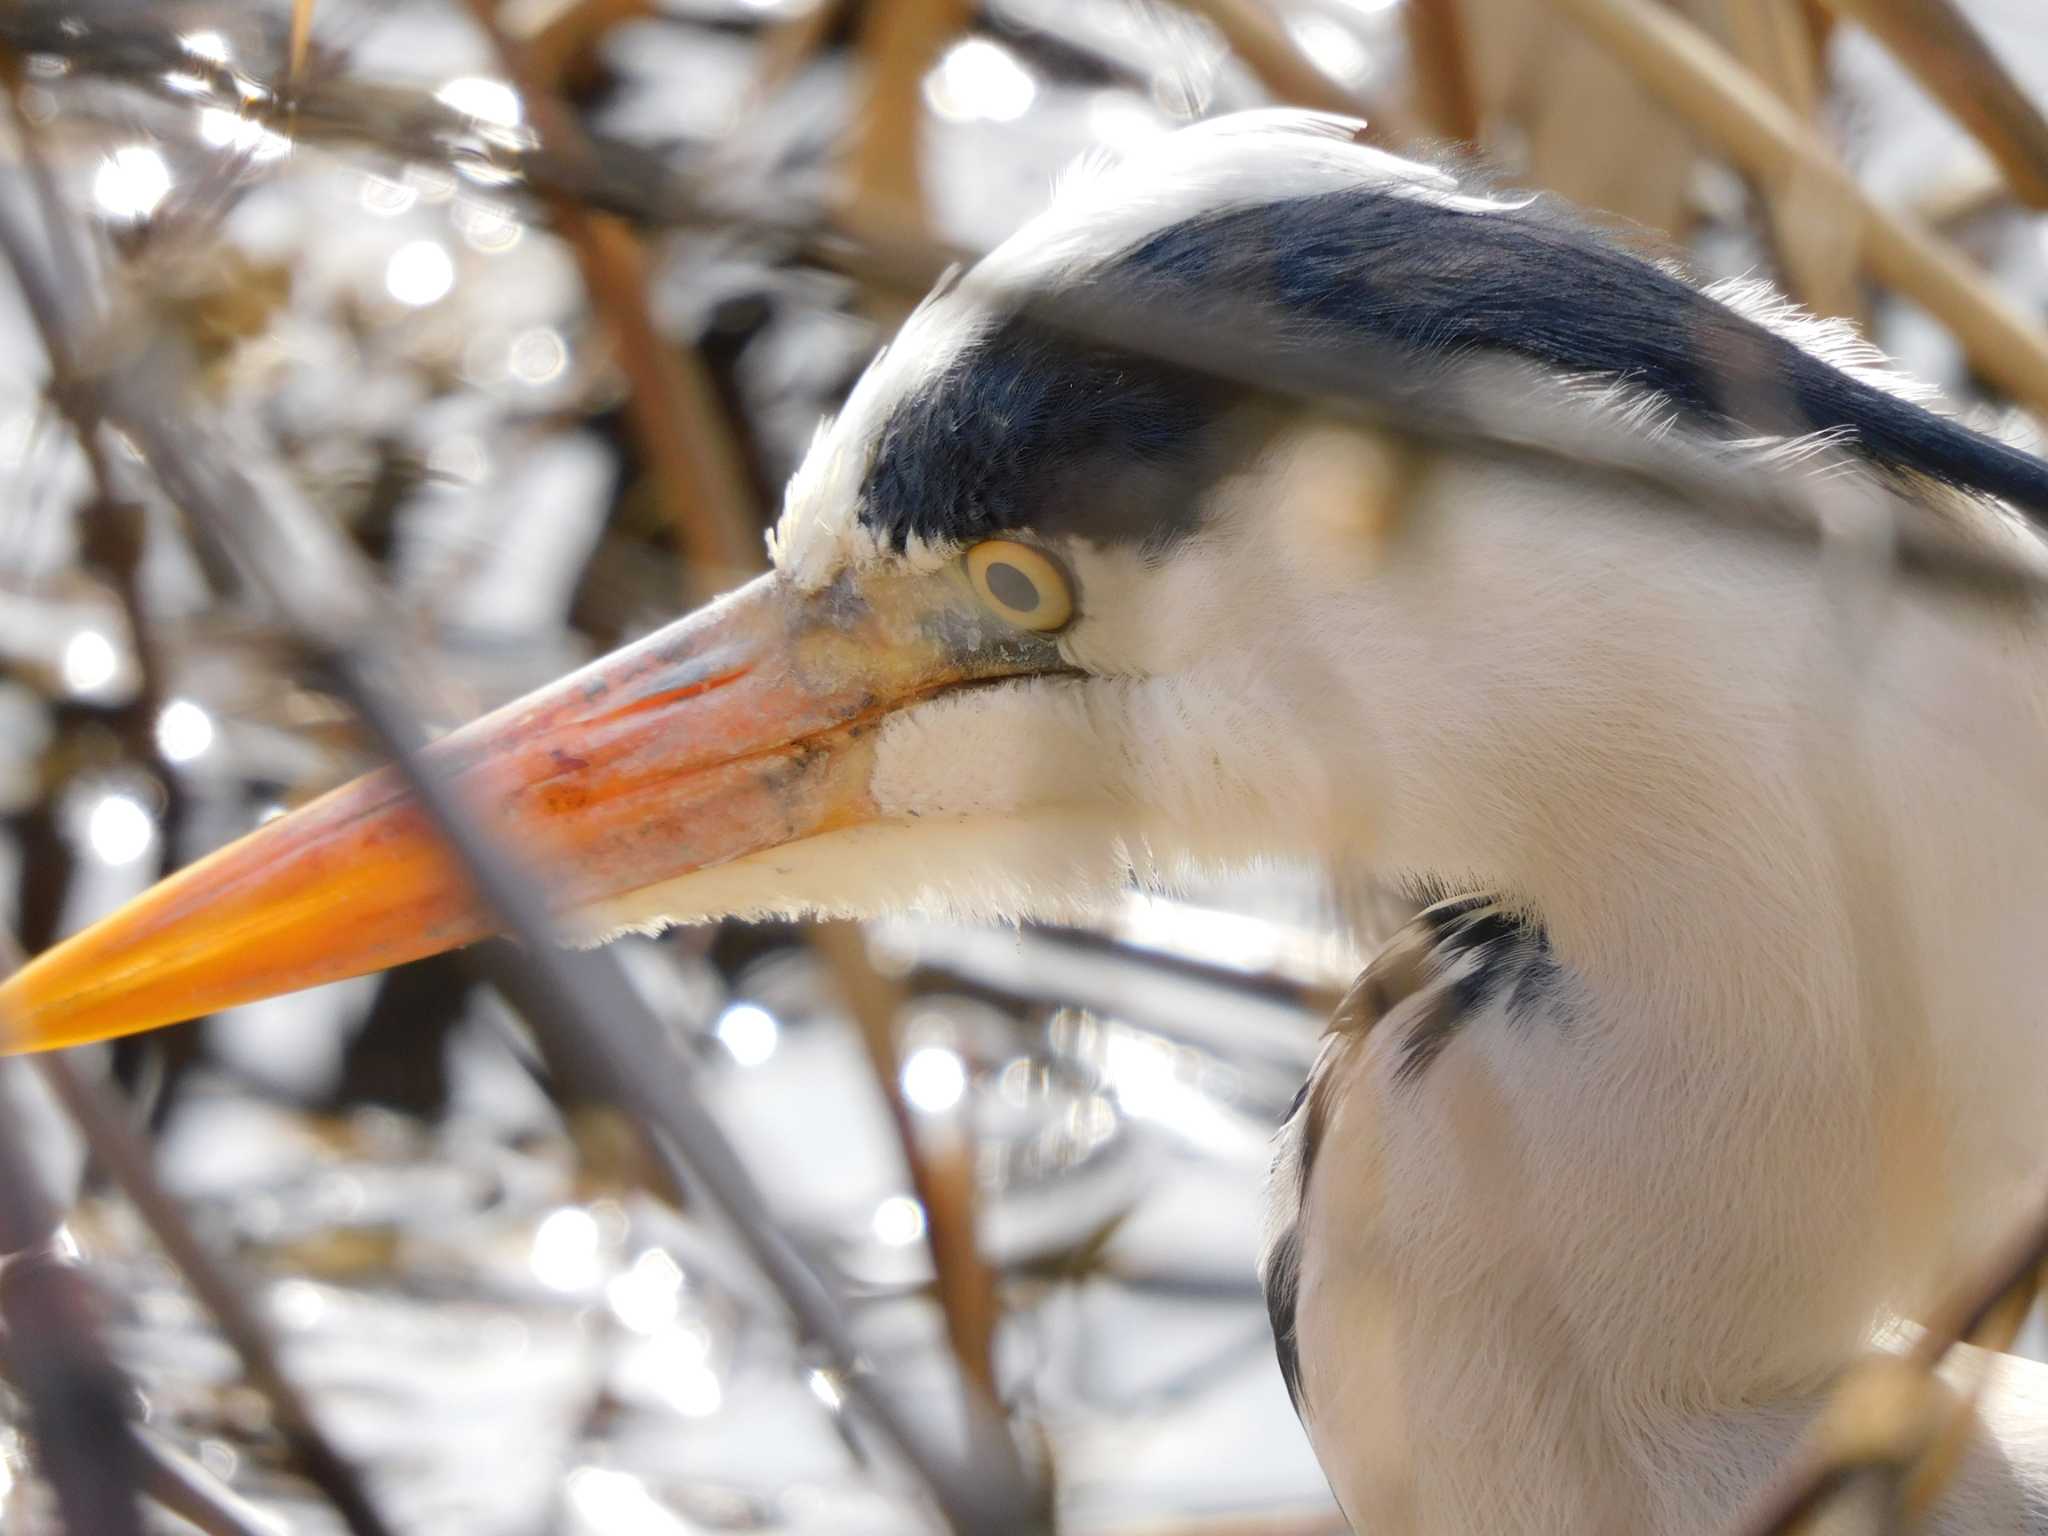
x=1022, y=583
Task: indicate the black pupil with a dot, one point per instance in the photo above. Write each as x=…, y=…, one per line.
x=1011, y=587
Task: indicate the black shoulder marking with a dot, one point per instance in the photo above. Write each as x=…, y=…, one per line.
x=1462, y=957
x=1300, y=1098
x=1028, y=430
x=1281, y=1279
x=1311, y=1106
x=1401, y=970
x=1280, y=1267
x=1536, y=982
x=1436, y=1026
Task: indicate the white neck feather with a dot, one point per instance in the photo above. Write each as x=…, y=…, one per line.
x=1791, y=837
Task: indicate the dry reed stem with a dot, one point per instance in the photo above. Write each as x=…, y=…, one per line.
x=563, y=48
x=1443, y=68
x=692, y=462
x=51, y=1350
x=1255, y=34
x=1949, y=57
x=1736, y=112
x=1811, y=230
x=786, y=47
x=1989, y=1306
x=1576, y=3
x=1774, y=42
x=2017, y=1268
x=1967, y=191
x=76, y=1400
x=1820, y=21
x=899, y=41
x=196, y=1496
x=1575, y=121
x=301, y=41
x=126, y=1157
x=113, y=524
x=679, y=422
x=941, y=1166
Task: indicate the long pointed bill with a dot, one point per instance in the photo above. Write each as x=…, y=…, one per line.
x=743, y=727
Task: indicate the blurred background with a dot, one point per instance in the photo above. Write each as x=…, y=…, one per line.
x=542, y=343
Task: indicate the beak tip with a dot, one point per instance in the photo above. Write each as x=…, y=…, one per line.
x=31, y=1015
x=53, y=1002
x=736, y=729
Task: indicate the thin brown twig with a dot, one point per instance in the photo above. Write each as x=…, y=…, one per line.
x=1443, y=67
x=786, y=47
x=51, y=1348
x=52, y=1354
x=692, y=461
x=2016, y=1266
x=195, y=1496
x=565, y=49
x=899, y=40
x=85, y=428
x=125, y=1157
x=1254, y=32
x=300, y=42
x=941, y=1167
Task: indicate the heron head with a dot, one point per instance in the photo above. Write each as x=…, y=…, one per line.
x=1057, y=607
x=1024, y=640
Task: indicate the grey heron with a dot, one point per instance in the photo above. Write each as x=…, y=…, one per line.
x=1720, y=1048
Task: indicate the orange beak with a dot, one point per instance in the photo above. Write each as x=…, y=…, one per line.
x=745, y=726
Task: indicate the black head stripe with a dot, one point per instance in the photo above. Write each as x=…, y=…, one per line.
x=1027, y=430
x=1281, y=1280
x=1536, y=282
x=1030, y=431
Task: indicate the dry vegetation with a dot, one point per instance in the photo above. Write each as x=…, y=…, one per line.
x=168, y=334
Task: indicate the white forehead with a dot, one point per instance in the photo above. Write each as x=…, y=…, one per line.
x=1100, y=207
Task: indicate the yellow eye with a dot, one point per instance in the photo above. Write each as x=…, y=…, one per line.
x=1022, y=583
